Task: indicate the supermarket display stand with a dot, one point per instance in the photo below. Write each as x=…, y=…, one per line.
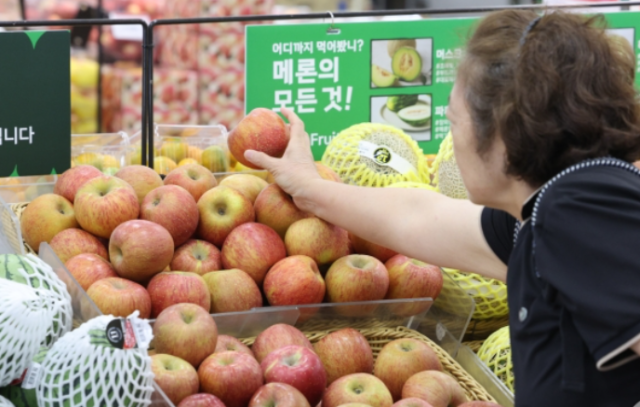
x=149, y=45
x=105, y=22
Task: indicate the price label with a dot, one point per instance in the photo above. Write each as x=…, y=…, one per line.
x=127, y=32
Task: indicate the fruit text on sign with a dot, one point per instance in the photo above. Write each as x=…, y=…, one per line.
x=19, y=134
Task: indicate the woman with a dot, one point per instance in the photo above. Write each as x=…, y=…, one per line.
x=545, y=121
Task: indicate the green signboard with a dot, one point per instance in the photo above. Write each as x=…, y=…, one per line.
x=35, y=107
x=398, y=73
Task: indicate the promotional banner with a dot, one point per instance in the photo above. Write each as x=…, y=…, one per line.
x=396, y=73
x=35, y=107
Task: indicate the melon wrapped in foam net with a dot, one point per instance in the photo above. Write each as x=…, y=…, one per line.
x=34, y=272
x=5, y=403
x=375, y=155
x=25, y=317
x=495, y=352
x=83, y=368
x=445, y=172
x=24, y=394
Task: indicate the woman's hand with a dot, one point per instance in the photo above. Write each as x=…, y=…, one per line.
x=296, y=170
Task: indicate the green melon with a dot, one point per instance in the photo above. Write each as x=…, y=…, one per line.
x=406, y=64
x=381, y=77
x=417, y=116
x=399, y=102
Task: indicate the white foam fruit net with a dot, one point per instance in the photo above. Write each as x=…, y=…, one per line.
x=31, y=270
x=5, y=403
x=83, y=368
x=25, y=317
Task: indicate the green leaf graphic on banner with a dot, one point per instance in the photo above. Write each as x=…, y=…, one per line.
x=53, y=172
x=15, y=172
x=34, y=36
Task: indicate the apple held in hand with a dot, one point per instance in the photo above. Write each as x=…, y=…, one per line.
x=87, y=268
x=105, y=202
x=400, y=359
x=299, y=367
x=320, y=240
x=344, y=352
x=233, y=377
x=198, y=256
x=278, y=336
x=120, y=297
x=411, y=278
x=249, y=185
x=357, y=278
x=201, y=400
x=228, y=343
x=362, y=246
x=45, y=217
x=294, y=280
x=72, y=179
x=278, y=395
x=222, y=209
x=72, y=242
x=232, y=291
x=275, y=208
x=175, y=376
x=194, y=178
x=174, y=287
x=173, y=208
x=411, y=402
x=435, y=387
x=357, y=388
x=141, y=178
x=186, y=331
x=261, y=130
x=140, y=249
x=252, y=248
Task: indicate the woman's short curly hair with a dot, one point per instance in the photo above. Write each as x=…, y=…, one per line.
x=561, y=94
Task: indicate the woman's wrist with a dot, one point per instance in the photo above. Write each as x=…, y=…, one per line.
x=308, y=198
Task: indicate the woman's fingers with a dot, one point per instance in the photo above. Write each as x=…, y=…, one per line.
x=260, y=159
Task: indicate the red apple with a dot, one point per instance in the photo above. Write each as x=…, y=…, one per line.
x=186, y=331
x=411, y=402
x=71, y=242
x=411, y=278
x=175, y=376
x=142, y=178
x=119, y=297
x=231, y=376
x=228, y=343
x=175, y=287
x=261, y=130
x=140, y=249
x=352, y=405
x=400, y=359
x=278, y=395
x=278, y=336
x=320, y=240
x=222, y=209
x=294, y=280
x=327, y=173
x=87, y=268
x=198, y=256
x=45, y=217
x=357, y=388
x=252, y=248
x=344, y=352
x=201, y=400
x=275, y=208
x=249, y=185
x=72, y=179
x=299, y=367
x=174, y=208
x=437, y=388
x=105, y=202
x=356, y=278
x=361, y=246
x=193, y=177
x=232, y=291
x=476, y=403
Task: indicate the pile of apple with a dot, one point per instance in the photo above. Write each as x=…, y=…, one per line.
x=284, y=369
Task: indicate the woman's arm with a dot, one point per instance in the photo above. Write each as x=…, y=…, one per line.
x=417, y=223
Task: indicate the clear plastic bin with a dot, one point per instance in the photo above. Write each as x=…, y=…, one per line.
x=106, y=151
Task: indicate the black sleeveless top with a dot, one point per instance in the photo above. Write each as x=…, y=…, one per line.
x=574, y=287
